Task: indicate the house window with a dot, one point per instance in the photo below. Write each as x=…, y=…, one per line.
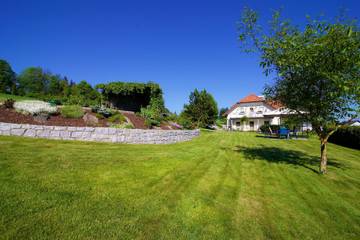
x=238, y=124
x=266, y=122
x=251, y=109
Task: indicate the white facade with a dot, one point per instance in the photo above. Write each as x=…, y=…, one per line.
x=257, y=114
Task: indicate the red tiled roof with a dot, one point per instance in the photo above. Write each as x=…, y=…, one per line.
x=251, y=98
x=274, y=104
x=231, y=109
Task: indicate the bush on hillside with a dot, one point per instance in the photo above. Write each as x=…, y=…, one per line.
x=153, y=113
x=347, y=137
x=9, y=103
x=117, y=118
x=72, y=111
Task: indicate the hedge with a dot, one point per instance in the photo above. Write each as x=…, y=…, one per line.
x=265, y=128
x=347, y=137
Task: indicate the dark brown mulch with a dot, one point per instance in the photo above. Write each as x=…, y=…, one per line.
x=137, y=121
x=11, y=116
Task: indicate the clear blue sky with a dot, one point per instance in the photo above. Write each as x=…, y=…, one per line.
x=179, y=44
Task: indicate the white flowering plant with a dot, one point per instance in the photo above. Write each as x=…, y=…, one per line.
x=34, y=107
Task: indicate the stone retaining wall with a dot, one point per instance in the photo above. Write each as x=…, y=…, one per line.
x=98, y=134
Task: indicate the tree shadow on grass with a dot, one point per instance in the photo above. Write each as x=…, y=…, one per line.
x=284, y=156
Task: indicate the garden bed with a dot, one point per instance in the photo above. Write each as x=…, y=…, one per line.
x=8, y=115
x=11, y=116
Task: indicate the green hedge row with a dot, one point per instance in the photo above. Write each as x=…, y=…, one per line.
x=347, y=137
x=265, y=128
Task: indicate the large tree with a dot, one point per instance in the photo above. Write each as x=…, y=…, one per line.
x=33, y=81
x=7, y=78
x=316, y=69
x=202, y=109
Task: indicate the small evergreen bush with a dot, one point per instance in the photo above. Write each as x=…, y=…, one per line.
x=72, y=111
x=117, y=118
x=9, y=103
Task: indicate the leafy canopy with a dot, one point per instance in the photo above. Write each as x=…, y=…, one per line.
x=317, y=68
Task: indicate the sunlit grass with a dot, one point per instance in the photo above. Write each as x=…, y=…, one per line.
x=218, y=186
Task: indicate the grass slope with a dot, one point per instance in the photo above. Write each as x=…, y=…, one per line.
x=4, y=96
x=218, y=186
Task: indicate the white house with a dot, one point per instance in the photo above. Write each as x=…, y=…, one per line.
x=258, y=112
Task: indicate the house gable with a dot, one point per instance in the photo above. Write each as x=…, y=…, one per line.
x=251, y=109
x=251, y=104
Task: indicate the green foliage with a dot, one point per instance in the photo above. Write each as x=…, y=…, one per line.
x=4, y=96
x=202, y=109
x=220, y=122
x=9, y=103
x=222, y=112
x=7, y=78
x=154, y=112
x=72, y=111
x=266, y=128
x=117, y=118
x=244, y=119
x=130, y=96
x=100, y=116
x=123, y=125
x=347, y=136
x=32, y=82
x=128, y=126
x=106, y=112
x=130, y=88
x=35, y=82
x=317, y=68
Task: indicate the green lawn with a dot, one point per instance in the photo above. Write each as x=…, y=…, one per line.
x=218, y=186
x=4, y=96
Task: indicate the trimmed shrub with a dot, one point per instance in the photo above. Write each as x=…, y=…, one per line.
x=347, y=137
x=117, y=118
x=9, y=103
x=72, y=111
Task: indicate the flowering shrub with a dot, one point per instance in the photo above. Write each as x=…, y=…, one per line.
x=34, y=107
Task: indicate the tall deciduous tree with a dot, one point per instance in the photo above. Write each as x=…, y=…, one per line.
x=317, y=69
x=7, y=78
x=32, y=81
x=202, y=109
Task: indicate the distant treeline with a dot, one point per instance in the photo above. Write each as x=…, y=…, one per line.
x=39, y=83
x=144, y=98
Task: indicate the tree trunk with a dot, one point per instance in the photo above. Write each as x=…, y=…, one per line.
x=323, y=162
